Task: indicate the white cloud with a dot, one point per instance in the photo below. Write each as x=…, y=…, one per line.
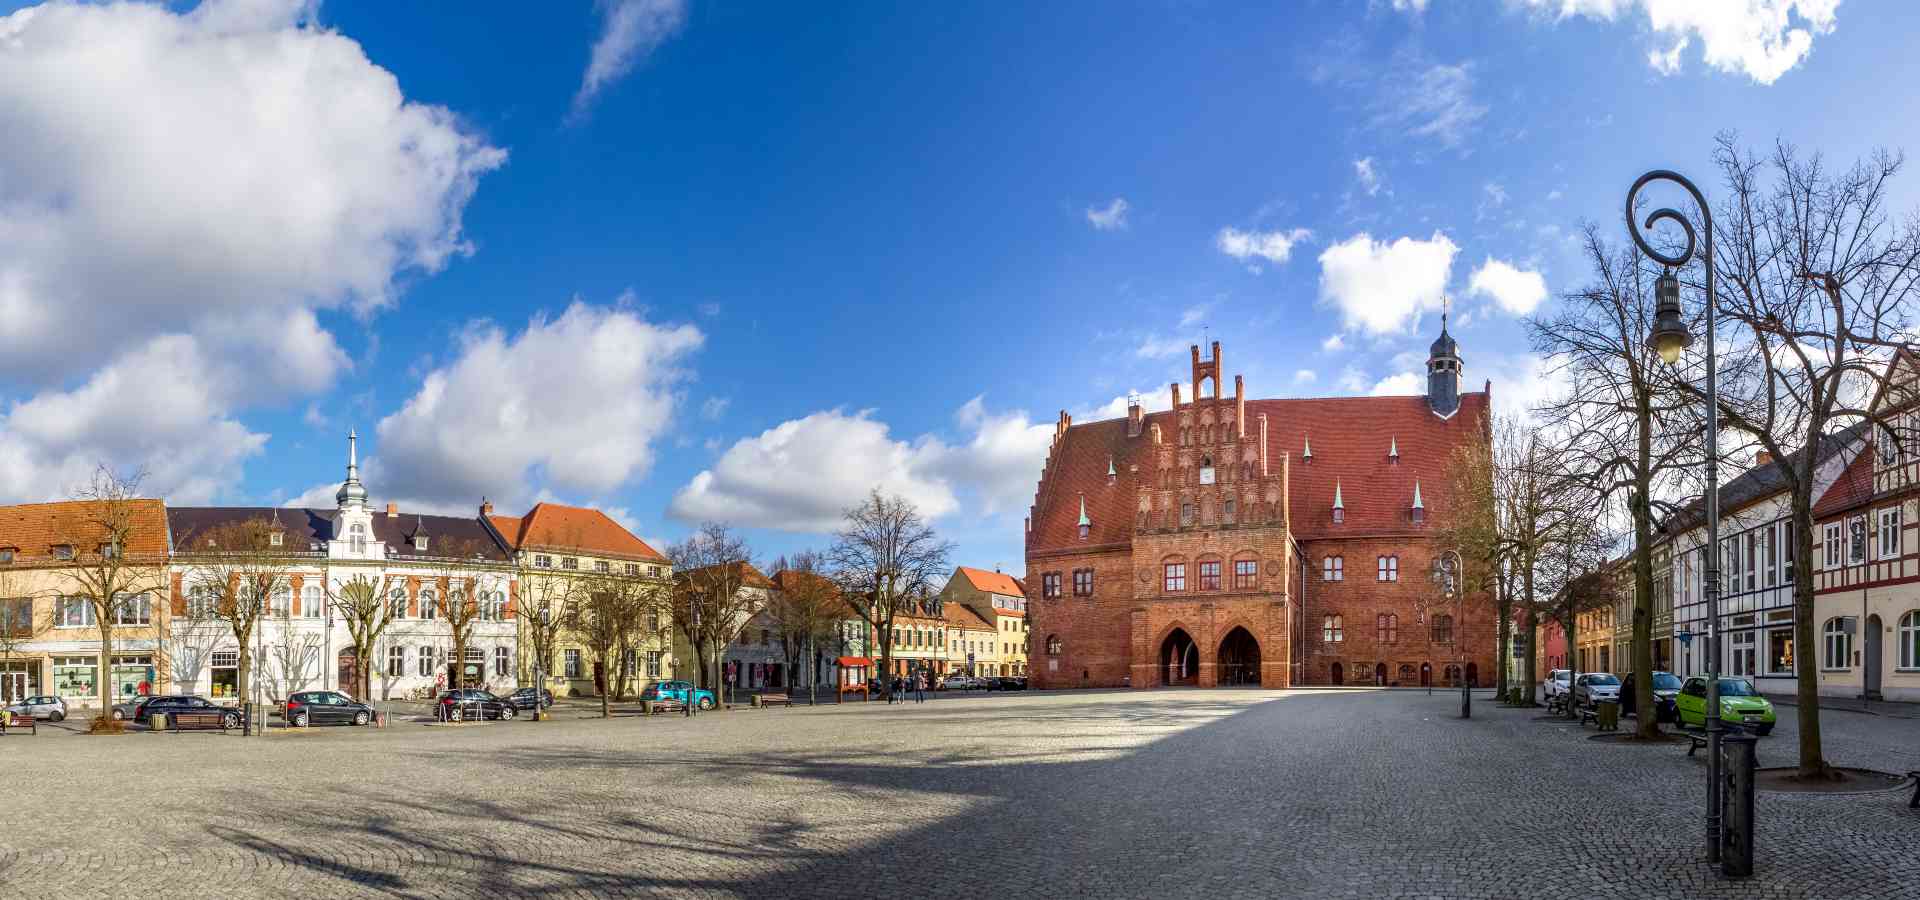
x=1413, y=6
x=1333, y=343
x=1154, y=346
x=1399, y=385
x=1369, y=175
x=1113, y=217
x=1381, y=288
x=1159, y=400
x=1518, y=291
x=1762, y=39
x=802, y=474
x=715, y=407
x=1193, y=315
x=631, y=31
x=1273, y=246
x=1352, y=380
x=1433, y=102
x=574, y=403
x=1305, y=376
x=254, y=169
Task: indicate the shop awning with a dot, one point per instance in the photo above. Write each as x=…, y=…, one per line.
x=852, y=662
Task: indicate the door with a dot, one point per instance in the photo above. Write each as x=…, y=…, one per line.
x=13, y=685
x=1426, y=674
x=1339, y=674
x=1871, y=637
x=1380, y=674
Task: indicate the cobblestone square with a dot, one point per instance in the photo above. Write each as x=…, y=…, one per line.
x=1213, y=793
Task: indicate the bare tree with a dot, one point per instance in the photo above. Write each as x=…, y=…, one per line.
x=18, y=624
x=807, y=611
x=236, y=568
x=108, y=570
x=608, y=609
x=1622, y=423
x=360, y=601
x=546, y=602
x=293, y=659
x=455, y=600
x=885, y=558
x=711, y=571
x=1823, y=288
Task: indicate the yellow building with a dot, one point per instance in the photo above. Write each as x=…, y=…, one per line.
x=558, y=549
x=51, y=642
x=1001, y=601
x=973, y=645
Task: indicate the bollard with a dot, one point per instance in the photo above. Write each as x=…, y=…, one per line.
x=1466, y=700
x=1736, y=814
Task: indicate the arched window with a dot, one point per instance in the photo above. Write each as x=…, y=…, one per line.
x=1910, y=640
x=1389, y=568
x=428, y=605
x=1333, y=568
x=1053, y=645
x=1330, y=630
x=1443, y=629
x=1838, y=644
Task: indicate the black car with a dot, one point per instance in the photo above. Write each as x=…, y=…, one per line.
x=1666, y=687
x=522, y=699
x=326, y=708
x=172, y=703
x=472, y=703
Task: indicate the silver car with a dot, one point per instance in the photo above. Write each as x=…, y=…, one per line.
x=1596, y=687
x=47, y=707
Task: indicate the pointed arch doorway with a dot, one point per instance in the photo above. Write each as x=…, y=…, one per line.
x=1239, y=659
x=1179, y=659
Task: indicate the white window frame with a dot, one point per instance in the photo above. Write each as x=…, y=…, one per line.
x=122, y=603
x=397, y=661
x=1387, y=568
x=1833, y=540
x=1889, y=542
x=1856, y=540
x=1334, y=568
x=1745, y=649
x=311, y=603
x=1836, y=645
x=73, y=612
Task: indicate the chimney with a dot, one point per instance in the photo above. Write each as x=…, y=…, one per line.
x=1762, y=458
x=1136, y=416
x=486, y=507
x=1239, y=404
x=393, y=511
x=1176, y=395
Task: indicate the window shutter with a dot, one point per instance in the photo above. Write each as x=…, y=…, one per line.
x=179, y=596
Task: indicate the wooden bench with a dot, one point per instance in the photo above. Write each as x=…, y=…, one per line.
x=1557, y=705
x=1695, y=742
x=766, y=700
x=198, y=719
x=10, y=722
x=656, y=707
x=1915, y=802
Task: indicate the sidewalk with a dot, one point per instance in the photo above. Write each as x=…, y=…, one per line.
x=1886, y=708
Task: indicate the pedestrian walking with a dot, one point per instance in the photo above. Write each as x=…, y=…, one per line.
x=920, y=688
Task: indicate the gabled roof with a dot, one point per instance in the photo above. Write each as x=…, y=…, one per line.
x=1853, y=488
x=574, y=529
x=991, y=582
x=33, y=529
x=1375, y=489
x=788, y=579
x=745, y=571
x=1761, y=482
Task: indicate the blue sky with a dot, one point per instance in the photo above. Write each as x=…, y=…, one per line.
x=739, y=261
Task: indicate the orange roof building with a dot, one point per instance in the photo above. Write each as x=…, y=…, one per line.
x=1231, y=540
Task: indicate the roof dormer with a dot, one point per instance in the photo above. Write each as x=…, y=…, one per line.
x=1086, y=524
x=1306, y=449
x=1393, y=450
x=1419, y=510
x=1339, y=507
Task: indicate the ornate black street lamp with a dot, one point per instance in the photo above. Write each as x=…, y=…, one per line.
x=1668, y=338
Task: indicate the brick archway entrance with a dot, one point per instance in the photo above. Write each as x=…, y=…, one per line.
x=1179, y=658
x=1239, y=659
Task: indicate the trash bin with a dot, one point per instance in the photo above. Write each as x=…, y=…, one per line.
x=1608, y=718
x=157, y=722
x=646, y=707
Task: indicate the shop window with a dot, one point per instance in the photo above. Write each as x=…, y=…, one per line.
x=1744, y=652
x=1780, y=651
x=74, y=676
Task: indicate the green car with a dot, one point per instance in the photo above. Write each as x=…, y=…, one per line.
x=1740, y=705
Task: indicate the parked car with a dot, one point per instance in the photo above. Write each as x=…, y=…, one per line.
x=48, y=707
x=326, y=708
x=1596, y=687
x=169, y=703
x=1556, y=684
x=522, y=699
x=1666, y=686
x=678, y=692
x=1008, y=683
x=960, y=683
x=1740, y=704
x=473, y=703
x=128, y=709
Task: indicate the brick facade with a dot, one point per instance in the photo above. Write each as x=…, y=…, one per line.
x=1205, y=530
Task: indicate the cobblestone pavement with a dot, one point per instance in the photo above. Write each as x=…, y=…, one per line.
x=1214, y=793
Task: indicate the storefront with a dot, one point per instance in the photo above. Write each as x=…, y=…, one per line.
x=133, y=675
x=74, y=678
x=225, y=671
x=19, y=678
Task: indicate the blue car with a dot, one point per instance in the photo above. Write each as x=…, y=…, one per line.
x=676, y=692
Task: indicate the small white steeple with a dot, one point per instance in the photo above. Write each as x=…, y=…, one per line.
x=1339, y=508
x=1416, y=495
x=1111, y=472
x=1306, y=452
x=1393, y=448
x=1084, y=521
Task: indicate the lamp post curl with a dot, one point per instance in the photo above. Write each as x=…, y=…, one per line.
x=1668, y=337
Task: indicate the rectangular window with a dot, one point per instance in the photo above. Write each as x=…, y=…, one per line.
x=573, y=663
x=633, y=569
x=1743, y=654
x=63, y=551
x=73, y=612
x=134, y=610
x=542, y=561
x=1856, y=540
x=1210, y=576
x=396, y=661
x=16, y=617
x=1786, y=552
x=1176, y=576
x=1245, y=574
x=600, y=565
x=312, y=605
x=1831, y=535
x=569, y=563
x=653, y=664
x=1388, y=568
x=1050, y=585
x=1890, y=533
x=1186, y=514
x=1753, y=560
x=653, y=571
x=1082, y=583
x=1780, y=651
x=1386, y=627
x=426, y=657
x=73, y=676
x=1770, y=557
x=502, y=662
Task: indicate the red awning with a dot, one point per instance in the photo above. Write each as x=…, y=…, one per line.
x=849, y=662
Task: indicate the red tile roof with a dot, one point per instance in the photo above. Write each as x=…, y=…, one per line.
x=32, y=529
x=962, y=616
x=551, y=526
x=1853, y=488
x=992, y=582
x=749, y=576
x=1350, y=437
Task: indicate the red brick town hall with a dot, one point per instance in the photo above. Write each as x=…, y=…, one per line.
x=1232, y=541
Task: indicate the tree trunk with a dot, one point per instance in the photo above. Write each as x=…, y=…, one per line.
x=243, y=675
x=1532, y=663
x=1813, y=762
x=1573, y=661
x=1504, y=639
x=1646, y=719
x=606, y=710
x=105, y=675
